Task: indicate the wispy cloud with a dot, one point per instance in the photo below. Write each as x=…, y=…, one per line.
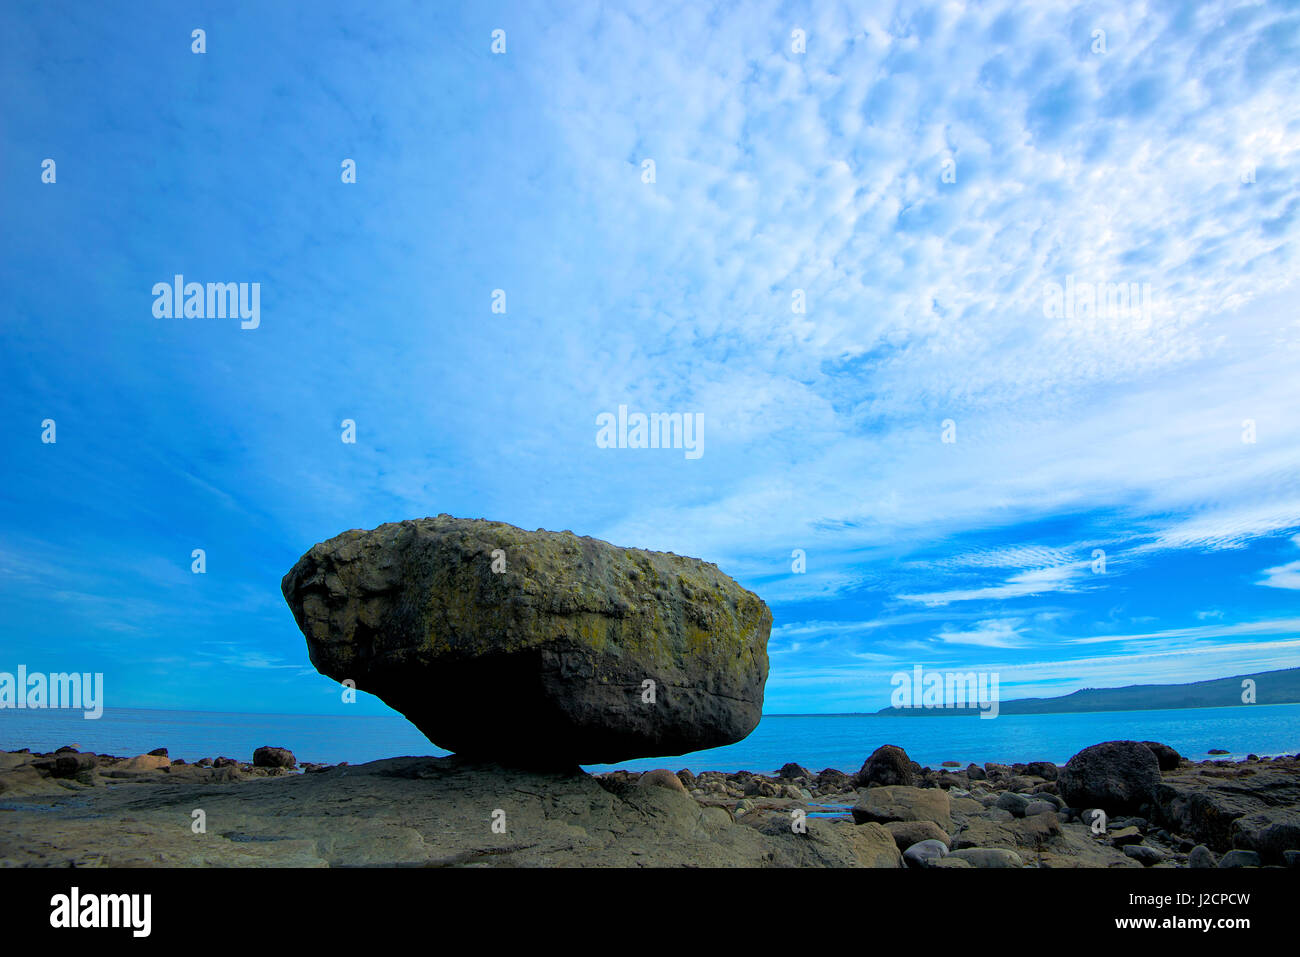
x=1039, y=581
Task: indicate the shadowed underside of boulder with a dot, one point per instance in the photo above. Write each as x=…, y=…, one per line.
x=535, y=648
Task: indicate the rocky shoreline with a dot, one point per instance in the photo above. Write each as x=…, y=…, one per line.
x=1116, y=804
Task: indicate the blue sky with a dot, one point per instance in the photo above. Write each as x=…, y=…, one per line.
x=922, y=174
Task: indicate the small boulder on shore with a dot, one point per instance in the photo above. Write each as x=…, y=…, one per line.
x=68, y=764
x=661, y=778
x=1239, y=858
x=269, y=757
x=902, y=803
x=989, y=857
x=908, y=833
x=1042, y=769
x=1202, y=857
x=925, y=853
x=832, y=779
x=145, y=762
x=887, y=765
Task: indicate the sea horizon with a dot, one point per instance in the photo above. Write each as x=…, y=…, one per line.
x=1262, y=729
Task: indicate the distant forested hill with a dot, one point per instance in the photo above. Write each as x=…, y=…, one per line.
x=1271, y=687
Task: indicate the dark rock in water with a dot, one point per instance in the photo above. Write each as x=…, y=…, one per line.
x=1117, y=776
x=1240, y=859
x=1201, y=857
x=887, y=765
x=535, y=648
x=1217, y=751
x=158, y=752
x=1166, y=757
x=923, y=853
x=268, y=757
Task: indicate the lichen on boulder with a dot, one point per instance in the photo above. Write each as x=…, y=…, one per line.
x=535, y=648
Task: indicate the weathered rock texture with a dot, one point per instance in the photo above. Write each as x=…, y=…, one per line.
x=445, y=811
x=545, y=662
x=1253, y=805
x=412, y=812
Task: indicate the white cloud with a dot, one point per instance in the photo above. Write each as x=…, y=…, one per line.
x=1282, y=576
x=1036, y=582
x=992, y=633
x=823, y=173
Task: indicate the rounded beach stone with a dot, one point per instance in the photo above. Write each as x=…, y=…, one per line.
x=661, y=778
x=1201, y=857
x=908, y=833
x=923, y=852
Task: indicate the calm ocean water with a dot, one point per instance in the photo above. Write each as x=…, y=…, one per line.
x=815, y=741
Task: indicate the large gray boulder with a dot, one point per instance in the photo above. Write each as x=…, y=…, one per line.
x=535, y=648
x=1120, y=777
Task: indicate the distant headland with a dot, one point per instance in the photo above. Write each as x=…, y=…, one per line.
x=1264, y=687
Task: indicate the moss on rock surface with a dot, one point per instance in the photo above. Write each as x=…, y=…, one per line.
x=540, y=653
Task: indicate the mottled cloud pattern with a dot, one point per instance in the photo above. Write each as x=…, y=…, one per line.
x=845, y=261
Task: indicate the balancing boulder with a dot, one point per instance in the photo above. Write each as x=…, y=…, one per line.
x=539, y=649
